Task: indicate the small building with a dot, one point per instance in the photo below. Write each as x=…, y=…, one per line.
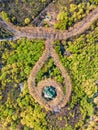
x=49, y=93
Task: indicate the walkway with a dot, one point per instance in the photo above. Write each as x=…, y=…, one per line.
x=35, y=91
x=47, y=33
x=50, y=35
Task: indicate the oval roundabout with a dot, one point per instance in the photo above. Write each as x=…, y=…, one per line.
x=53, y=103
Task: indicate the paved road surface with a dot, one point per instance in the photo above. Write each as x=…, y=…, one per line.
x=50, y=33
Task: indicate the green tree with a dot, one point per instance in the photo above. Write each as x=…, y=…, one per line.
x=63, y=20
x=5, y=16
x=27, y=20
x=87, y=108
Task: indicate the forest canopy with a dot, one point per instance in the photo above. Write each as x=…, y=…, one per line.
x=18, y=58
x=78, y=55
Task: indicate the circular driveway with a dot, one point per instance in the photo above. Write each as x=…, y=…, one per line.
x=50, y=82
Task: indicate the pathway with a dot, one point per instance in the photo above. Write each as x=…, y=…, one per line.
x=35, y=91
x=47, y=33
x=50, y=35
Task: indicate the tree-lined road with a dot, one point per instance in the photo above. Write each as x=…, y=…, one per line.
x=35, y=91
x=50, y=33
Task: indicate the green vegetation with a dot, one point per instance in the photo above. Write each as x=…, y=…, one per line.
x=69, y=15
x=20, y=56
x=5, y=16
x=49, y=70
x=22, y=12
x=79, y=55
x=82, y=64
x=94, y=1
x=5, y=33
x=19, y=108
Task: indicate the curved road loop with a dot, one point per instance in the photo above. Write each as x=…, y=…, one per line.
x=49, y=35
x=35, y=90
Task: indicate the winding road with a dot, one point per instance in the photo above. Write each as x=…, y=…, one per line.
x=35, y=91
x=50, y=35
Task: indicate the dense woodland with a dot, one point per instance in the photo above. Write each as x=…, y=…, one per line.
x=4, y=33
x=22, y=12
x=79, y=58
x=79, y=55
x=73, y=13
